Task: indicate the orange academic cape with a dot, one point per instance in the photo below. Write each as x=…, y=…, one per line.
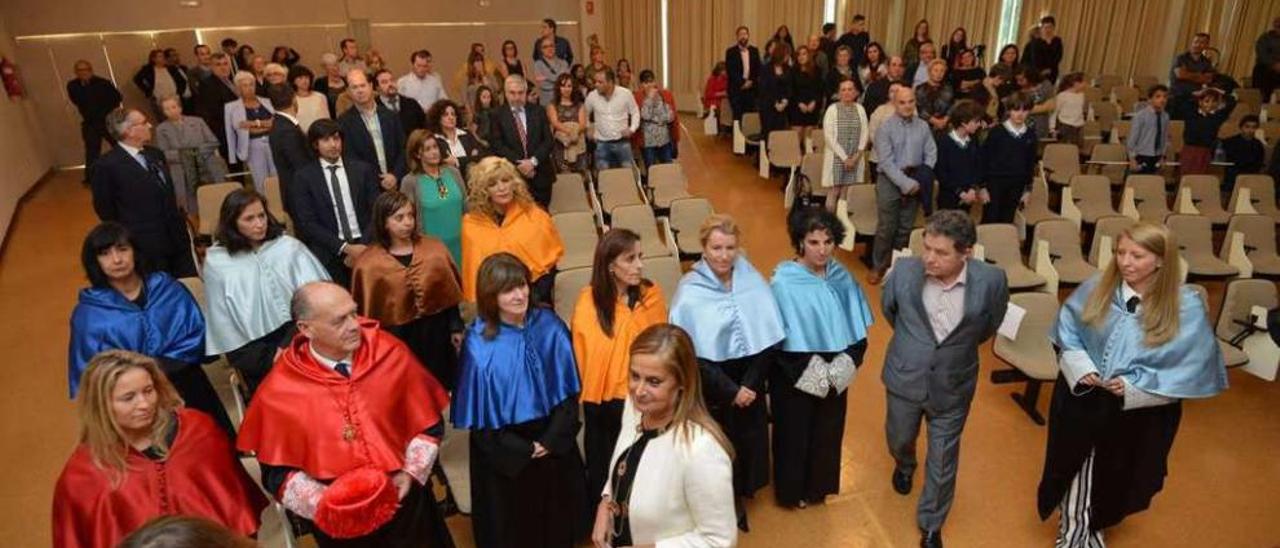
x=603, y=362
x=299, y=414
x=527, y=233
x=200, y=477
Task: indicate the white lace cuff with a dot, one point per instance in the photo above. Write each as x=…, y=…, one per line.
x=420, y=456
x=302, y=494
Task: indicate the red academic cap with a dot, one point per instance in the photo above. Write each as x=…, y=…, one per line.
x=357, y=503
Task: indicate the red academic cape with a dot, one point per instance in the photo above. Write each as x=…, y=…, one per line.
x=299, y=413
x=200, y=477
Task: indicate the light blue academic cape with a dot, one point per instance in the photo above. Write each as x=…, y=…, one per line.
x=727, y=324
x=820, y=314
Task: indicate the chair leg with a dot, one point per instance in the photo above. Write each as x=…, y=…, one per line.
x=1030, y=395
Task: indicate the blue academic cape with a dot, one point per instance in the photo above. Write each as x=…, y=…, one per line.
x=820, y=314
x=727, y=324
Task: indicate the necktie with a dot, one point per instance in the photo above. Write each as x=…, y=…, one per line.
x=155, y=170
x=1159, y=134
x=343, y=369
x=1132, y=304
x=343, y=225
x=524, y=137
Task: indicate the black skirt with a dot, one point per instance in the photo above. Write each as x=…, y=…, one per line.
x=807, y=433
x=747, y=427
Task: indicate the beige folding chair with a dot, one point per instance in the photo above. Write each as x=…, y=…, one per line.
x=668, y=183
x=1105, y=232
x=862, y=209
x=1090, y=195
x=1037, y=209
x=665, y=273
x=724, y=114
x=1092, y=94
x=1257, y=243
x=618, y=187
x=1232, y=356
x=1201, y=194
x=1144, y=83
x=667, y=172
x=686, y=219
x=1148, y=197
x=1030, y=353
x=1063, y=239
x=209, y=200
x=1235, y=320
x=569, y=284
x=915, y=243
x=1195, y=240
x=1060, y=162
x=1250, y=96
x=1120, y=131
x=1271, y=111
x=639, y=219
x=275, y=200
x=1106, y=113
x=1108, y=82
x=751, y=128
x=1262, y=196
x=817, y=141
x=1126, y=98
x=578, y=233
x=784, y=152
x=1005, y=252
x=1112, y=160
x=568, y=195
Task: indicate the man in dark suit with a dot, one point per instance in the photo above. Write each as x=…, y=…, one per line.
x=218, y=90
x=522, y=135
x=94, y=96
x=131, y=186
x=856, y=38
x=742, y=61
x=372, y=132
x=333, y=201
x=941, y=306
x=289, y=148
x=410, y=112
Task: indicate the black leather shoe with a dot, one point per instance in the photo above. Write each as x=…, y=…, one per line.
x=931, y=539
x=901, y=481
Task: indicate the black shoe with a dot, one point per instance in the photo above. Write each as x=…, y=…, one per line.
x=742, y=524
x=930, y=539
x=901, y=481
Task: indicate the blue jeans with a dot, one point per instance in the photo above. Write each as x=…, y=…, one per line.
x=613, y=154
x=657, y=155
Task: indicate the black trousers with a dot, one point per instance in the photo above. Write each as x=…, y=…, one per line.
x=93, y=135
x=603, y=423
x=1006, y=194
x=1147, y=164
x=1266, y=80
x=254, y=360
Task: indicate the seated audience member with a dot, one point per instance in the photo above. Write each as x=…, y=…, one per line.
x=312, y=105
x=502, y=217
x=1200, y=135
x=248, y=122
x=364, y=422
x=716, y=88
x=438, y=191
x=658, y=122
x=1149, y=134
x=673, y=471
x=333, y=198
x=527, y=485
x=372, y=132
x=463, y=148
x=129, y=307
x=568, y=117
x=332, y=83
x=521, y=134
x=614, y=117
x=826, y=317
x=250, y=274
x=1244, y=152
x=609, y=314
x=1009, y=161
x=728, y=310
x=142, y=455
x=191, y=151
x=185, y=532
x=959, y=165
x=412, y=117
x=409, y=283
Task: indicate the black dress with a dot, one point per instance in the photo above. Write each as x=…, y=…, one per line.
x=430, y=338
x=807, y=87
x=747, y=427
x=774, y=87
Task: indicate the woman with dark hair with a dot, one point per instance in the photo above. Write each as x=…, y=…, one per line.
x=1135, y=342
x=958, y=43
x=777, y=83
x=142, y=455
x=780, y=36
x=511, y=63
x=157, y=80
x=717, y=87
x=486, y=102
x=285, y=55
x=312, y=105
x=610, y=312
x=250, y=275
x=826, y=317
x=911, y=50
x=477, y=74
x=842, y=70
x=332, y=84
x=244, y=58
x=966, y=79
x=131, y=308
x=808, y=92
x=874, y=64
x=463, y=147
x=518, y=395
x=437, y=190
x=569, y=125
x=1004, y=69
x=409, y=283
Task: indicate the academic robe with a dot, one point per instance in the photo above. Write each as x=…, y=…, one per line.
x=1130, y=447
x=733, y=331
x=417, y=303
x=823, y=317
x=299, y=422
x=199, y=477
x=526, y=232
x=515, y=389
x=604, y=364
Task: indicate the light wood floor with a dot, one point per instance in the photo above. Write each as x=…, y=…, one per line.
x=1223, y=489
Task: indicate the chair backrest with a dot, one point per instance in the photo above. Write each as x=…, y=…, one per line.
x=751, y=124
x=1205, y=193
x=686, y=216
x=664, y=271
x=1126, y=98
x=916, y=242
x=1238, y=301
x=275, y=200
x=816, y=138
x=1262, y=190
x=1194, y=234
x=1092, y=94
x=1149, y=196
x=724, y=114
x=1143, y=83
x=1032, y=352
x=811, y=168
x=578, y=233
x=1000, y=240
x=196, y=287
x=784, y=148
x=569, y=284
x=209, y=200
x=618, y=187
x=1249, y=96
x=666, y=173
x=1259, y=234
x=1062, y=235
x=1111, y=152
x=862, y=208
x=1120, y=130
x=568, y=194
x=1062, y=158
x=1112, y=226
x=1104, y=112
x=640, y=219
x=1107, y=82
x=1092, y=192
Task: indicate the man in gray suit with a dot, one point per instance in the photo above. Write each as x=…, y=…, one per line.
x=941, y=307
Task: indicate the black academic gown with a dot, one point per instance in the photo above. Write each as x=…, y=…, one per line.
x=747, y=427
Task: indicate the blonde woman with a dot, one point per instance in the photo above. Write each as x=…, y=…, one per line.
x=672, y=473
x=502, y=217
x=1135, y=342
x=143, y=455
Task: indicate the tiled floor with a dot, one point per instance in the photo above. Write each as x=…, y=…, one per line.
x=1223, y=489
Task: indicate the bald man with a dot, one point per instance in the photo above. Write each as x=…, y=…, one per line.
x=94, y=96
x=372, y=131
x=344, y=396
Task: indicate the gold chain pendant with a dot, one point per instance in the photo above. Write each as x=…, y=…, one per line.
x=349, y=432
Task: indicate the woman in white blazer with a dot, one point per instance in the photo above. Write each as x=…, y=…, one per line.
x=248, y=121
x=671, y=477
x=844, y=128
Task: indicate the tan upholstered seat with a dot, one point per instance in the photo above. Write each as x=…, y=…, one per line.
x=1105, y=112
x=275, y=200
x=618, y=187
x=1195, y=240
x=568, y=194
x=751, y=127
x=1262, y=194
x=687, y=215
x=1149, y=197
x=668, y=183
x=578, y=233
x=1092, y=194
x=862, y=209
x=1237, y=305
x=1206, y=196
x=665, y=272
x=1061, y=162
x=1003, y=250
x=784, y=148
x=569, y=284
x=1259, y=241
x=1126, y=98
x=1037, y=207
x=209, y=200
x=1030, y=353
x=640, y=219
x=1110, y=226
x=1064, y=249
x=1120, y=131
x=1116, y=156
x=1108, y=82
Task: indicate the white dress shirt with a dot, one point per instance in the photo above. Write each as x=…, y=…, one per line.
x=945, y=303
x=329, y=363
x=374, y=126
x=613, y=114
x=347, y=202
x=135, y=153
x=426, y=90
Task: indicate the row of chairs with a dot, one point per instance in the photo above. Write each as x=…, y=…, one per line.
x=209, y=198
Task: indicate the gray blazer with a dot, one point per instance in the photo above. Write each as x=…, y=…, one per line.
x=918, y=367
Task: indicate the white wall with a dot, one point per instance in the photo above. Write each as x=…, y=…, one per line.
x=24, y=156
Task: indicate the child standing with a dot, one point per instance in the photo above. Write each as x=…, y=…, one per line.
x=1009, y=154
x=959, y=166
x=1069, y=110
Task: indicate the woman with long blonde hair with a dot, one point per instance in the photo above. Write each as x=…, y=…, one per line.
x=1135, y=342
x=143, y=455
x=672, y=472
